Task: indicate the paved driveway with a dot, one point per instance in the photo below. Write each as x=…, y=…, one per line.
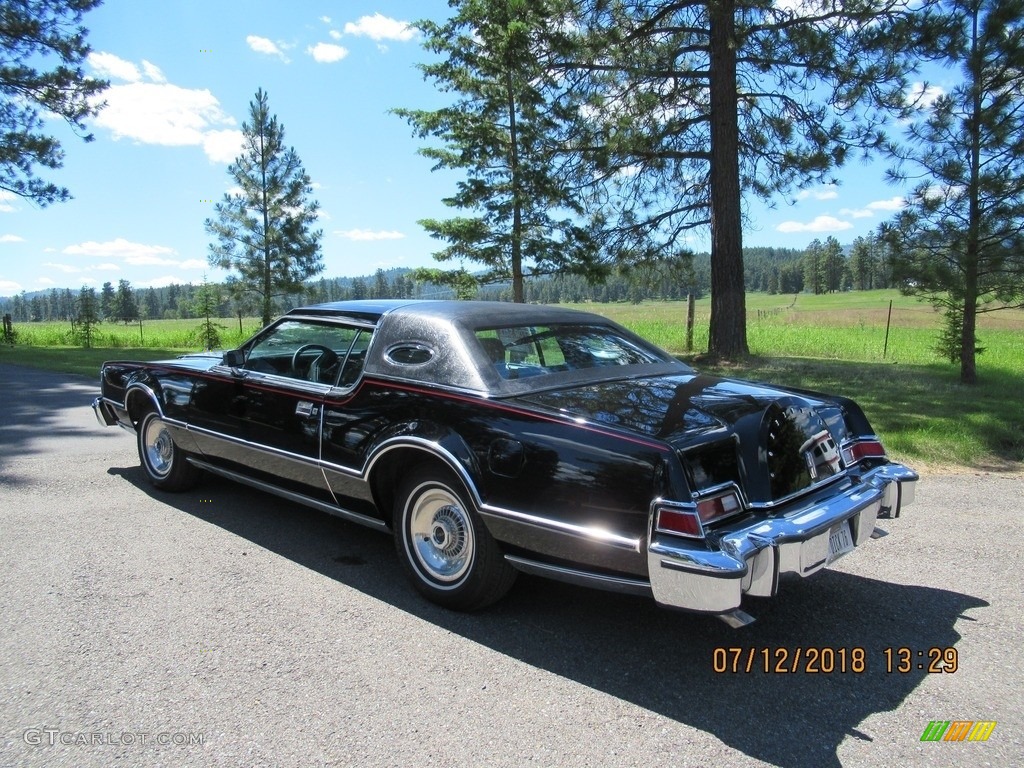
x=224, y=627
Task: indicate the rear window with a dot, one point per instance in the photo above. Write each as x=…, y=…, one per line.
x=522, y=351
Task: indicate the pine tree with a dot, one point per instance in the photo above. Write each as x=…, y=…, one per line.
x=88, y=315
x=503, y=132
x=960, y=240
x=107, y=298
x=693, y=104
x=125, y=307
x=264, y=231
x=34, y=33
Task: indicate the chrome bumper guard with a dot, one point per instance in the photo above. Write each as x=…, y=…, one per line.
x=104, y=413
x=749, y=559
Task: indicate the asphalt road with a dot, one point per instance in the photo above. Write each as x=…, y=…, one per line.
x=224, y=627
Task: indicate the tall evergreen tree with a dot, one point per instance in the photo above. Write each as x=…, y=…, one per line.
x=960, y=240
x=504, y=132
x=833, y=265
x=863, y=262
x=88, y=315
x=264, y=231
x=694, y=103
x=107, y=299
x=35, y=34
x=814, y=267
x=125, y=307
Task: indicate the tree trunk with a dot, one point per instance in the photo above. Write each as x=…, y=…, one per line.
x=728, y=331
x=516, y=255
x=972, y=256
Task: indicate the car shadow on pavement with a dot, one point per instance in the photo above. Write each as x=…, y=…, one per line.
x=36, y=409
x=657, y=659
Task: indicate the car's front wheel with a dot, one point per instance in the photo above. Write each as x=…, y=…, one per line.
x=164, y=462
x=449, y=554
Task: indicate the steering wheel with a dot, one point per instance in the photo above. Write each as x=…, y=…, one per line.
x=305, y=348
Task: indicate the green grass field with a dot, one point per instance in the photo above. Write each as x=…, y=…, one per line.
x=834, y=343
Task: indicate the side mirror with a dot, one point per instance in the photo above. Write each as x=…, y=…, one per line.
x=234, y=358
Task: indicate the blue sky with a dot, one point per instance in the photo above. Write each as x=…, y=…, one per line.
x=182, y=75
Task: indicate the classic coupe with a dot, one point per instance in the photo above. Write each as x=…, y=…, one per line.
x=491, y=438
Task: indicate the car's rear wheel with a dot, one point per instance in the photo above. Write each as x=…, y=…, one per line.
x=165, y=464
x=451, y=557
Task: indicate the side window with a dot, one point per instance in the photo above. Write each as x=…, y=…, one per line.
x=521, y=352
x=353, y=363
x=300, y=349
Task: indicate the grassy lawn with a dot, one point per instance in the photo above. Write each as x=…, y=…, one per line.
x=833, y=343
x=85, y=362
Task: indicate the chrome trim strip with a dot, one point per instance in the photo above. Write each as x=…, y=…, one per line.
x=136, y=387
x=620, y=584
x=332, y=320
x=260, y=447
x=810, y=489
x=355, y=517
x=280, y=382
x=589, y=533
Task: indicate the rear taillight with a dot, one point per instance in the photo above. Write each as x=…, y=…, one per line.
x=679, y=520
x=859, y=450
x=689, y=519
x=716, y=507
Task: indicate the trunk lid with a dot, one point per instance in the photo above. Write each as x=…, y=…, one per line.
x=772, y=442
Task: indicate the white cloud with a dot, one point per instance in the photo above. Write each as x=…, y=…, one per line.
x=46, y=281
x=69, y=269
x=924, y=95
x=325, y=19
x=11, y=239
x=892, y=204
x=168, y=115
x=9, y=288
x=335, y=34
x=379, y=27
x=149, y=260
x=5, y=198
x=856, y=213
x=267, y=46
x=825, y=192
x=366, y=234
x=119, y=249
x=109, y=65
x=66, y=268
x=153, y=72
x=223, y=146
x=327, y=53
x=130, y=253
x=819, y=224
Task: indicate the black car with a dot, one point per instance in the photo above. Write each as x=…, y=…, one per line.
x=491, y=438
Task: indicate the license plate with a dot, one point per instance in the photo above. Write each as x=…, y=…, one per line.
x=839, y=541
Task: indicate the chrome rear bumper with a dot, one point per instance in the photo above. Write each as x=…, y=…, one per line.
x=750, y=557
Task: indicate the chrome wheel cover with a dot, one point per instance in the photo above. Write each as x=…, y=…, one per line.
x=441, y=535
x=159, y=447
